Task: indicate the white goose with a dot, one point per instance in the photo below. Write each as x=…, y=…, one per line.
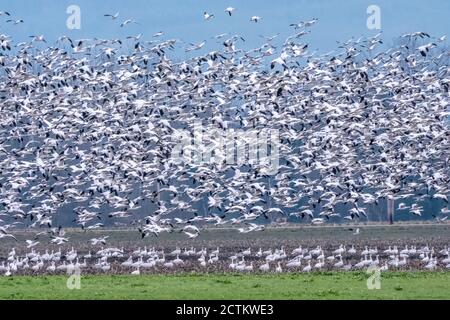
x=249, y=267
x=307, y=268
x=207, y=16
x=352, y=250
x=340, y=263
x=230, y=10
x=136, y=272
x=51, y=267
x=339, y=251
x=8, y=272
x=294, y=263
x=278, y=269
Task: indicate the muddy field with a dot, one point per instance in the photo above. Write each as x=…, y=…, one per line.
x=231, y=242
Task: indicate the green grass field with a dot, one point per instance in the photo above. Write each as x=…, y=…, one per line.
x=326, y=285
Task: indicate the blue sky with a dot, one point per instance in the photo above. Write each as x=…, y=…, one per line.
x=183, y=19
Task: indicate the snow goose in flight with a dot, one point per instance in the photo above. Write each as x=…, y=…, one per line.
x=303, y=24
x=100, y=240
x=418, y=34
x=112, y=16
x=59, y=240
x=440, y=196
x=426, y=48
x=128, y=21
x=5, y=234
x=310, y=23
x=317, y=221
x=207, y=16
x=230, y=10
x=255, y=19
x=417, y=210
x=39, y=38
x=15, y=21
x=136, y=37
x=195, y=46
x=31, y=243
x=402, y=206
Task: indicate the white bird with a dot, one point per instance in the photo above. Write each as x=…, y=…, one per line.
x=8, y=272
x=5, y=234
x=278, y=269
x=100, y=240
x=317, y=221
x=340, y=263
x=112, y=16
x=294, y=263
x=402, y=206
x=39, y=38
x=15, y=21
x=128, y=21
x=352, y=250
x=207, y=16
x=426, y=48
x=136, y=272
x=307, y=268
x=191, y=235
x=31, y=243
x=230, y=10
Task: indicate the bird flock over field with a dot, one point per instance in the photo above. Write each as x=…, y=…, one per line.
x=87, y=131
x=115, y=260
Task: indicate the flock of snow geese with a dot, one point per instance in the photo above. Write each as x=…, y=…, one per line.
x=277, y=260
x=87, y=127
